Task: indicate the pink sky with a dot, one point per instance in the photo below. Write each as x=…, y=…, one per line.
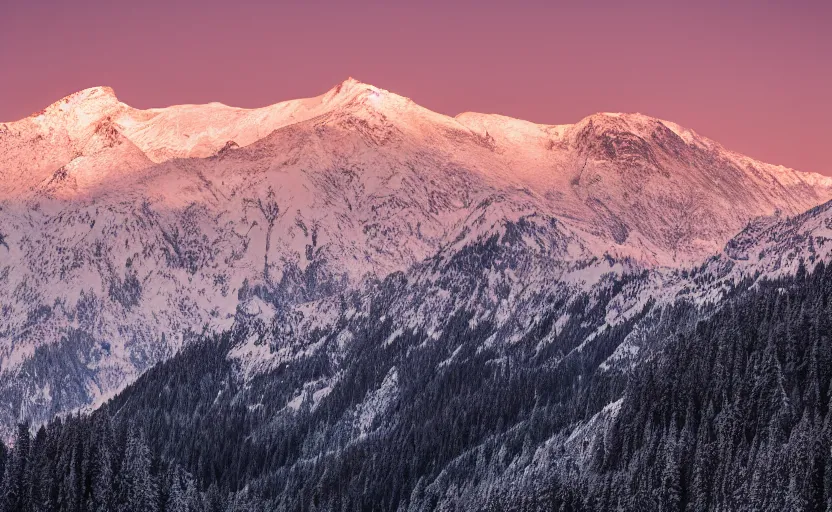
x=754, y=76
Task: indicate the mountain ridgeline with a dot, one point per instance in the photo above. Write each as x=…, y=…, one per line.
x=350, y=302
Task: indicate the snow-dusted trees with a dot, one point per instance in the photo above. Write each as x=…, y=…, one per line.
x=137, y=485
x=732, y=413
x=182, y=495
x=84, y=464
x=735, y=414
x=17, y=480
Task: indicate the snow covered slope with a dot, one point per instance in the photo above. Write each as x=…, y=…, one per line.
x=123, y=232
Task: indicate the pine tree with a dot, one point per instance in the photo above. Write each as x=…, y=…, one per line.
x=671, y=478
x=182, y=493
x=16, y=482
x=213, y=501
x=103, y=480
x=137, y=486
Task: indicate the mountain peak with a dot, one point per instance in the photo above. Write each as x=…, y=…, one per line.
x=100, y=94
x=101, y=91
x=351, y=80
x=350, y=87
x=93, y=102
x=360, y=96
x=620, y=120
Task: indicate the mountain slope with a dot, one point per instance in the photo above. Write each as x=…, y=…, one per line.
x=125, y=233
x=728, y=409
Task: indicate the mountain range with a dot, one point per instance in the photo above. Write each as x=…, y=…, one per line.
x=350, y=251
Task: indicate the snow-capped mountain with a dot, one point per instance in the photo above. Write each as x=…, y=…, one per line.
x=123, y=232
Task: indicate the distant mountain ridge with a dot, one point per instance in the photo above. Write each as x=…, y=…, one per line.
x=125, y=233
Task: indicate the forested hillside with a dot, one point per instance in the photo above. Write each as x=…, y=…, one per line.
x=733, y=416
x=736, y=414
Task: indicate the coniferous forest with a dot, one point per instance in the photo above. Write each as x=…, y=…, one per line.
x=733, y=415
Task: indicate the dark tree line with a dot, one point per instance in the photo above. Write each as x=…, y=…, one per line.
x=734, y=416
x=84, y=463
